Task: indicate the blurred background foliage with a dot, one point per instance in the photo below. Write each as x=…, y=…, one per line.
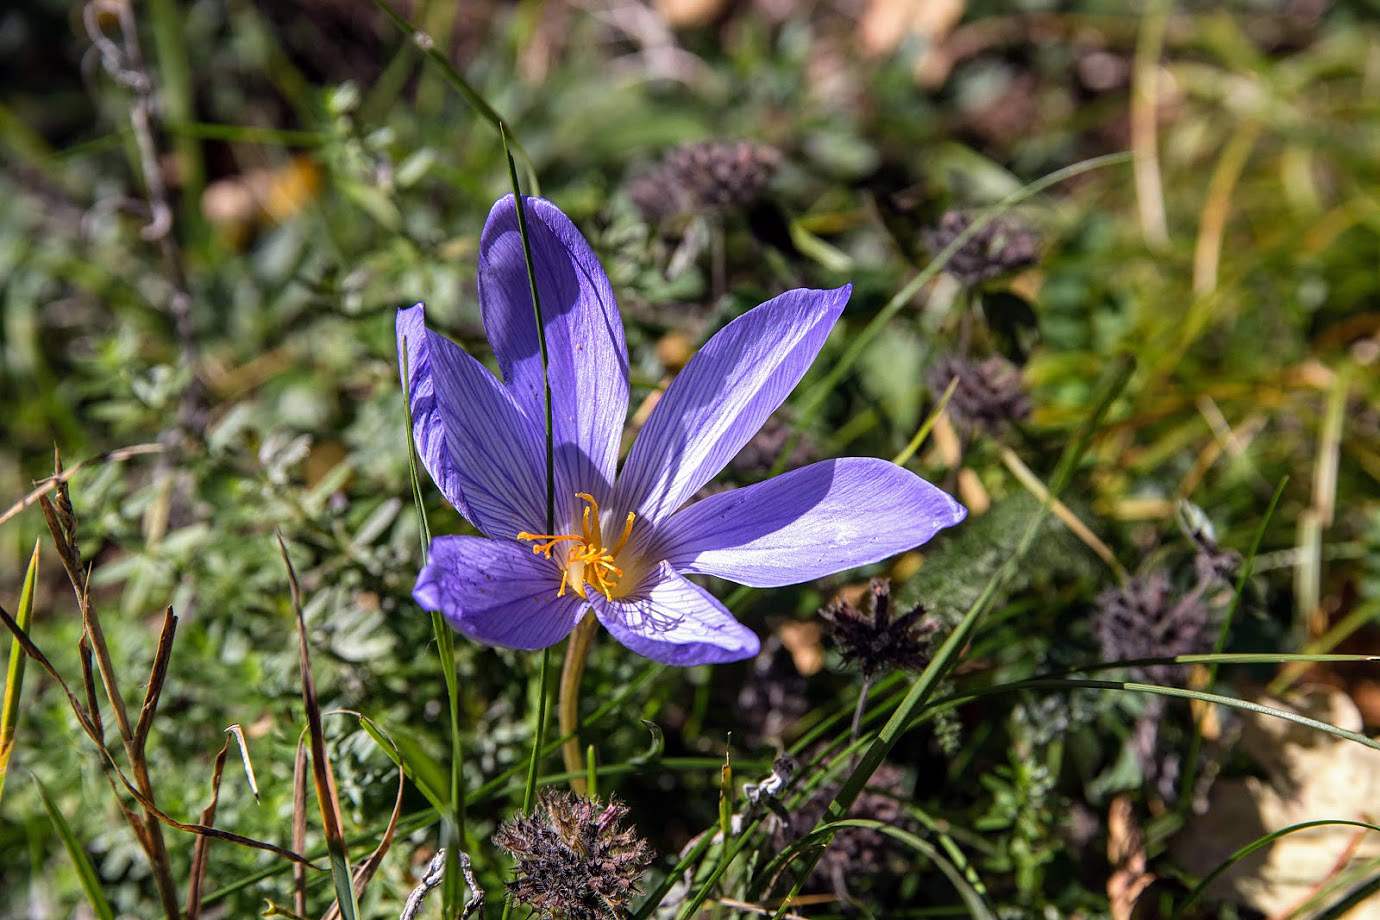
x=227, y=296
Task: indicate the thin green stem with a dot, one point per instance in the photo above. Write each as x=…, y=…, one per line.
x=427, y=45
x=529, y=791
x=539, y=725
x=543, y=691
x=452, y=888
x=859, y=710
x=541, y=331
x=591, y=773
x=1065, y=683
x=923, y=431
x=1190, y=776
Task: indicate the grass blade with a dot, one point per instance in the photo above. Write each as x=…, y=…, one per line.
x=14, y=674
x=86, y=873
x=1064, y=683
x=1257, y=844
x=1190, y=776
x=458, y=82
x=371, y=864
x=238, y=733
x=973, y=900
x=543, y=677
x=415, y=763
x=814, y=398
x=119, y=455
x=453, y=807
x=299, y=828
x=326, y=796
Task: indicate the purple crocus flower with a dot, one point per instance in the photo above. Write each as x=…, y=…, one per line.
x=623, y=544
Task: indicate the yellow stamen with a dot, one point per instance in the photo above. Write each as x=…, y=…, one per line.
x=588, y=562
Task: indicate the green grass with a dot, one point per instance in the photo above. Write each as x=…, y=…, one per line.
x=1201, y=186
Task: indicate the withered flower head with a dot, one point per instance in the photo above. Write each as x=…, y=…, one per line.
x=1145, y=618
x=856, y=852
x=575, y=861
x=1001, y=247
x=868, y=636
x=989, y=393
x=707, y=177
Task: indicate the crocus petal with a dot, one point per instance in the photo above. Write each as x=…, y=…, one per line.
x=587, y=357
x=429, y=432
x=675, y=622
x=497, y=592
x=722, y=397
x=474, y=440
x=814, y=521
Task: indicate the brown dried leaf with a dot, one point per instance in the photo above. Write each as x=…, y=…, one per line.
x=803, y=639
x=203, y=843
x=299, y=828
x=1126, y=852
x=157, y=675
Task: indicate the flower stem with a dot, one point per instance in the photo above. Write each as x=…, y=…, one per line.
x=573, y=669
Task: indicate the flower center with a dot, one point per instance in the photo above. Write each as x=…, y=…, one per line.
x=588, y=561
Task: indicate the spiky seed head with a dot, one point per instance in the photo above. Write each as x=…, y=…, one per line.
x=708, y=177
x=1146, y=618
x=989, y=393
x=868, y=635
x=575, y=860
x=1004, y=245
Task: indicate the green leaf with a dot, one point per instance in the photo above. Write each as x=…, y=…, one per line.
x=14, y=675
x=86, y=873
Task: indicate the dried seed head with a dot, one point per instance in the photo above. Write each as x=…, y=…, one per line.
x=869, y=637
x=1146, y=619
x=709, y=177
x=574, y=859
x=989, y=394
x=855, y=851
x=1001, y=247
x=62, y=500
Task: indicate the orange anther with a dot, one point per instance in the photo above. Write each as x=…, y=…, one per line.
x=597, y=563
